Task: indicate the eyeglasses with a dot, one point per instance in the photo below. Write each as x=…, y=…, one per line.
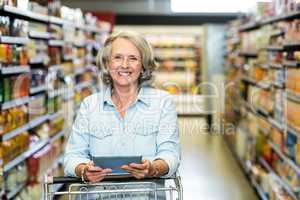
x=118, y=59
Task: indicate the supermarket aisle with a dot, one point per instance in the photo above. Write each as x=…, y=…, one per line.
x=208, y=169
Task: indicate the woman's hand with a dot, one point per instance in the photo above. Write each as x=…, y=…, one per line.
x=140, y=171
x=92, y=173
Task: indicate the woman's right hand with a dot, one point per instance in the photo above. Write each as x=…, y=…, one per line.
x=92, y=173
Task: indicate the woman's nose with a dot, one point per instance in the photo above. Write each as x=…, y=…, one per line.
x=125, y=63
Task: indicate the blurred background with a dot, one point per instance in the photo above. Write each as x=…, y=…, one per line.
x=232, y=67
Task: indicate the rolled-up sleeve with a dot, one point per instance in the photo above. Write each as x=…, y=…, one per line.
x=77, y=148
x=168, y=145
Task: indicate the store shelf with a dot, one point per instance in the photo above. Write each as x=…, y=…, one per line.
x=55, y=115
x=276, y=124
x=278, y=85
x=15, y=69
x=16, y=191
x=38, y=60
x=258, y=189
x=264, y=66
x=57, y=136
x=55, y=68
x=175, y=58
x=14, y=40
x=288, y=16
x=245, y=169
x=37, y=89
x=82, y=85
x=290, y=46
x=270, y=20
x=38, y=121
x=275, y=48
x=276, y=66
x=56, y=43
x=56, y=20
x=250, y=26
x=293, y=96
x=54, y=93
x=15, y=132
x=263, y=112
x=260, y=84
x=283, y=183
x=293, y=130
x=34, y=148
x=39, y=35
x=291, y=63
x=25, y=14
x=277, y=32
x=79, y=44
x=283, y=157
x=248, y=54
x=14, y=103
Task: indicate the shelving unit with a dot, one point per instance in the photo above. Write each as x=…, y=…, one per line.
x=14, y=103
x=15, y=69
x=13, y=40
x=261, y=96
x=55, y=57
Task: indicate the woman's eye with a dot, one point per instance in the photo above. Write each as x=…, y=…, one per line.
x=133, y=58
x=117, y=57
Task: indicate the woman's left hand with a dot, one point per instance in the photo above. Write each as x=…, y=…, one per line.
x=140, y=171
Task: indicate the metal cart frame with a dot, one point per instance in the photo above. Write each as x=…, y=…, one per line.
x=114, y=186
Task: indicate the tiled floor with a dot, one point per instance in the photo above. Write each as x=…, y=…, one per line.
x=208, y=169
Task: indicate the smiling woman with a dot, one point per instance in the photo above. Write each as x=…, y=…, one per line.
x=139, y=56
x=129, y=117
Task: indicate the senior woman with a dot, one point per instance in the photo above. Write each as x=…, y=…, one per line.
x=128, y=117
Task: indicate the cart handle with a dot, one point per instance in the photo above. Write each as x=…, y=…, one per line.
x=66, y=179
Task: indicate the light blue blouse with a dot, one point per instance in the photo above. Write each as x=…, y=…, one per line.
x=149, y=128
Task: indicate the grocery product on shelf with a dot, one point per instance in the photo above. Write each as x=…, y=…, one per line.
x=15, y=87
x=13, y=118
x=14, y=147
x=17, y=177
x=38, y=77
x=36, y=106
x=55, y=126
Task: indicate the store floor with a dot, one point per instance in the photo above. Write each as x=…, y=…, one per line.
x=208, y=169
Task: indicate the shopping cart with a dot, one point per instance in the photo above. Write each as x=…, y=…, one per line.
x=114, y=188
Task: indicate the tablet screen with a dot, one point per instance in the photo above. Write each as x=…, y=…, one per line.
x=115, y=162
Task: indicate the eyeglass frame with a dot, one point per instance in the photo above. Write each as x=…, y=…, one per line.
x=128, y=61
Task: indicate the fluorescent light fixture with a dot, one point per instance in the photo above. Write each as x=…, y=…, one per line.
x=213, y=6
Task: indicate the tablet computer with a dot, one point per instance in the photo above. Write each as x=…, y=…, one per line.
x=115, y=162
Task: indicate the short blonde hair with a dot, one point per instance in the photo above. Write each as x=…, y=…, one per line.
x=145, y=49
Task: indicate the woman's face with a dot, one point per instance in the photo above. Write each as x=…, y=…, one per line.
x=125, y=63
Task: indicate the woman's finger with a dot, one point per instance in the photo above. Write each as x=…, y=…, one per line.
x=94, y=175
x=138, y=175
x=97, y=178
x=138, y=166
x=102, y=171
